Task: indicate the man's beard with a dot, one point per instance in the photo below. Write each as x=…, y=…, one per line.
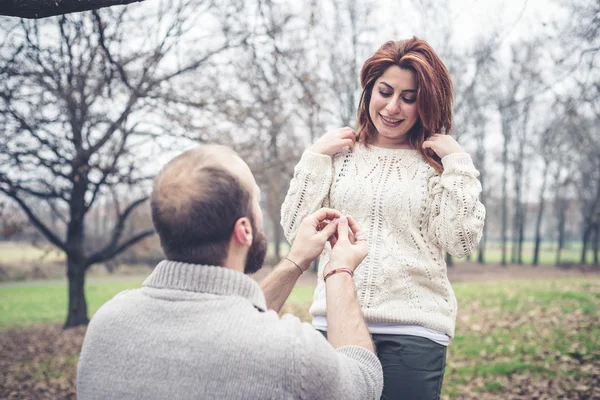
x=257, y=251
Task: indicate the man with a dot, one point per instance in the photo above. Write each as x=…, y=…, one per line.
x=200, y=328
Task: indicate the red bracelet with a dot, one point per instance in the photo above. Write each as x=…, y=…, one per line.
x=335, y=271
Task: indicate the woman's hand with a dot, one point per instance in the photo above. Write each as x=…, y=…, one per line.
x=442, y=145
x=333, y=142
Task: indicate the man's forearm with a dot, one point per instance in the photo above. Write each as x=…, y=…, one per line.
x=345, y=323
x=279, y=283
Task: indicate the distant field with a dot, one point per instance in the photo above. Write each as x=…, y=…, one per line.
x=572, y=254
x=19, y=252
x=24, y=253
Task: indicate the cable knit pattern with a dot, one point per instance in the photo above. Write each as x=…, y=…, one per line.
x=411, y=215
x=201, y=332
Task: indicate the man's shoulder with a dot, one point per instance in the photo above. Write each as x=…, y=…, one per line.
x=119, y=303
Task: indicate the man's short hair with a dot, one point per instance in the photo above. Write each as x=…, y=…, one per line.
x=195, y=204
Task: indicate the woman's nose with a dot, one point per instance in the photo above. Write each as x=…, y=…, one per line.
x=393, y=107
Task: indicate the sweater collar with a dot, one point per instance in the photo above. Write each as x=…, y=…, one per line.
x=206, y=279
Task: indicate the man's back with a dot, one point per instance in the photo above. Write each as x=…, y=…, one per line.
x=200, y=332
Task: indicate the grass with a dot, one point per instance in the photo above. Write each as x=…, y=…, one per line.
x=513, y=338
x=30, y=305
x=544, y=330
x=542, y=335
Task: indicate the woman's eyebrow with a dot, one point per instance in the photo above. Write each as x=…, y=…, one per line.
x=406, y=90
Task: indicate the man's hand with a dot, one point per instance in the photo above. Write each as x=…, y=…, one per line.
x=314, y=232
x=349, y=246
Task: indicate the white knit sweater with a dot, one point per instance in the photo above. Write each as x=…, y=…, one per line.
x=410, y=214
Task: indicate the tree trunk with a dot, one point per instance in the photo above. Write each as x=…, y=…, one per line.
x=596, y=244
x=517, y=219
x=449, y=260
x=585, y=241
x=522, y=220
x=481, y=249
x=76, y=263
x=277, y=239
x=482, y=179
x=505, y=129
x=538, y=221
x=77, y=310
x=561, y=230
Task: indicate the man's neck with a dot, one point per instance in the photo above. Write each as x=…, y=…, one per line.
x=235, y=260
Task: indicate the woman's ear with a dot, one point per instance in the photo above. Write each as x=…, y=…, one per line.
x=242, y=231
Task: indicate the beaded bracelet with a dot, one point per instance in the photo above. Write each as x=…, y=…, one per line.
x=335, y=271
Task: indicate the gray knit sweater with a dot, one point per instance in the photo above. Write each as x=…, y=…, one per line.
x=203, y=332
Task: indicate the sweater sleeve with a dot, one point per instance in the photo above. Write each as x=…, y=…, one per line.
x=349, y=372
x=457, y=216
x=308, y=191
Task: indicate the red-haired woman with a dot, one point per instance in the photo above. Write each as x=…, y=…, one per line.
x=414, y=192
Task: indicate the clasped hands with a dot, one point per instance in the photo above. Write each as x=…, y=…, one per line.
x=348, y=244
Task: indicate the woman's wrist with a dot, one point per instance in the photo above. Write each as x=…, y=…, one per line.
x=338, y=271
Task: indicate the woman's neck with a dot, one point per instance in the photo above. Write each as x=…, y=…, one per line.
x=387, y=143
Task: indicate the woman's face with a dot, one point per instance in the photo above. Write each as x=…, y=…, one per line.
x=393, y=107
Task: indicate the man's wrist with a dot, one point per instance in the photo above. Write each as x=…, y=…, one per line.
x=302, y=262
x=298, y=262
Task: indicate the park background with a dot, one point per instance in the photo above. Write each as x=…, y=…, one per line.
x=93, y=103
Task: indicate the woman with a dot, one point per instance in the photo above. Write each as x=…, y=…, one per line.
x=414, y=191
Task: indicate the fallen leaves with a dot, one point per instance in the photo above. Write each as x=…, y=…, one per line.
x=39, y=362
x=527, y=340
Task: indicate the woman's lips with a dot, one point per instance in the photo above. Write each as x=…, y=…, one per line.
x=390, y=122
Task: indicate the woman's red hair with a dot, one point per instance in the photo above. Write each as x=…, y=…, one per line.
x=434, y=91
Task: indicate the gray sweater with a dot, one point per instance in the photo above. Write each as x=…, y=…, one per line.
x=203, y=332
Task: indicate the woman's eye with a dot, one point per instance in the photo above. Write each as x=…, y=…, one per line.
x=409, y=101
x=385, y=94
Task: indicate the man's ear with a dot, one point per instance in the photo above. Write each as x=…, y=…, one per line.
x=242, y=231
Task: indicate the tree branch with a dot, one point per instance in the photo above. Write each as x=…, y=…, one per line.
x=48, y=8
x=107, y=254
x=111, y=249
x=54, y=239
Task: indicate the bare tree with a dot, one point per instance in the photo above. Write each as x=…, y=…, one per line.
x=264, y=103
x=521, y=84
x=347, y=50
x=78, y=103
x=587, y=143
x=582, y=36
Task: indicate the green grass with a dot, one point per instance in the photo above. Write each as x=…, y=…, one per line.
x=47, y=303
x=29, y=305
